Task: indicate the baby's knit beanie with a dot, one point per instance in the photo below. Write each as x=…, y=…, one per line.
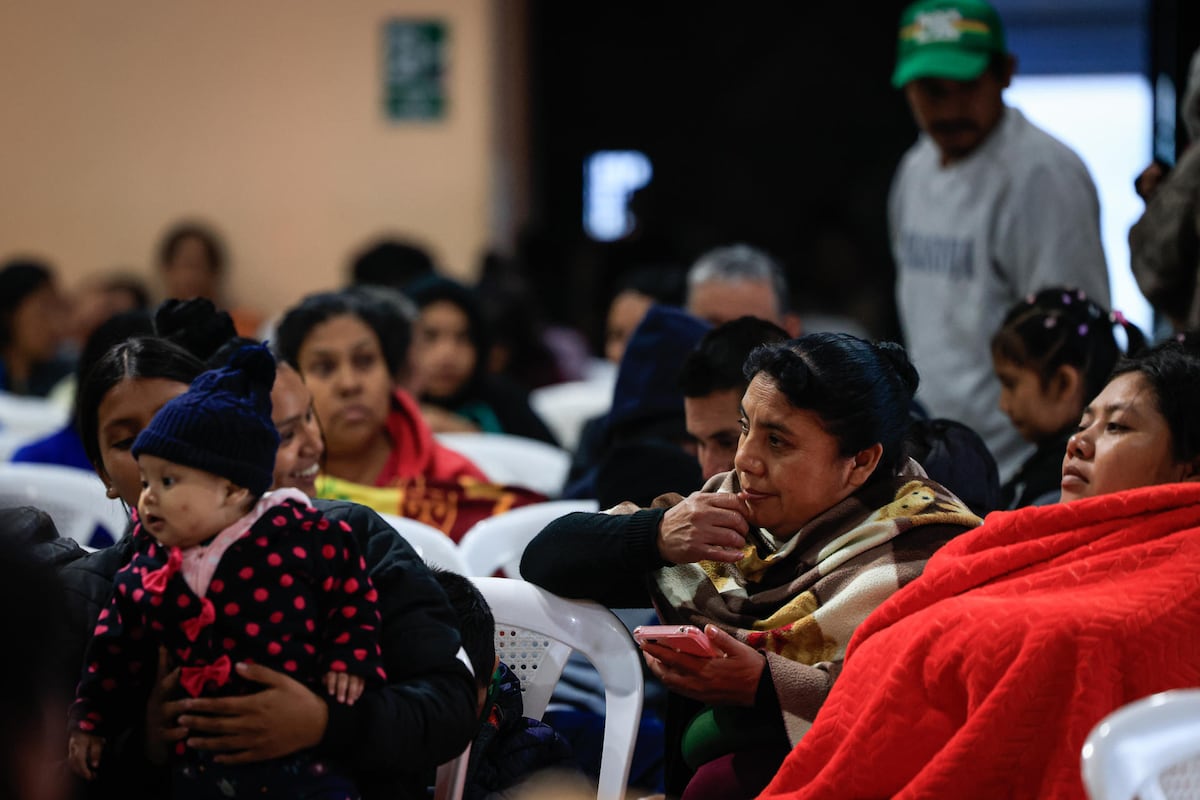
x=222, y=423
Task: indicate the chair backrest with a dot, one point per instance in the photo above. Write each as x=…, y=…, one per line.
x=74, y=499
x=32, y=416
x=513, y=460
x=434, y=547
x=498, y=542
x=1148, y=749
x=536, y=632
x=565, y=407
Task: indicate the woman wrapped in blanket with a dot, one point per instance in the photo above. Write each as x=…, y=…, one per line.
x=983, y=677
x=778, y=561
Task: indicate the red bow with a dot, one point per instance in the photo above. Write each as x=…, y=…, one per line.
x=192, y=627
x=156, y=581
x=193, y=679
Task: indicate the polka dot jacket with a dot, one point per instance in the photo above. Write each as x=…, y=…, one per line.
x=292, y=593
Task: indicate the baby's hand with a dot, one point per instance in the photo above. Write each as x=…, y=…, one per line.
x=345, y=687
x=83, y=753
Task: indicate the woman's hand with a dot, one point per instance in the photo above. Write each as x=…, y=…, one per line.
x=730, y=679
x=162, y=730
x=705, y=526
x=283, y=718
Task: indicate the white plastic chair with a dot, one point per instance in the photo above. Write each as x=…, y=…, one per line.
x=565, y=407
x=32, y=416
x=1148, y=749
x=74, y=499
x=514, y=460
x=434, y=547
x=535, y=633
x=498, y=542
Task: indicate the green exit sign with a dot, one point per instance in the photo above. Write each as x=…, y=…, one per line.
x=414, y=69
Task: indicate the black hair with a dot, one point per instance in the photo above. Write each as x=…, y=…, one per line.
x=19, y=279
x=434, y=289
x=390, y=327
x=718, y=360
x=214, y=251
x=662, y=283
x=861, y=391
x=30, y=682
x=475, y=622
x=108, y=334
x=391, y=262
x=195, y=324
x=1173, y=371
x=141, y=357
x=131, y=284
x=1059, y=326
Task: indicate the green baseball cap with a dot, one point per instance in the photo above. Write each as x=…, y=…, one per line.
x=953, y=39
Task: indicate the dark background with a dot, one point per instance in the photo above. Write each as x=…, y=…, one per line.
x=769, y=123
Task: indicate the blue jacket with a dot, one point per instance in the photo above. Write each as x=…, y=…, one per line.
x=510, y=747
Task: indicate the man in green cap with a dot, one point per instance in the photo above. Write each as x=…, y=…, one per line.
x=985, y=209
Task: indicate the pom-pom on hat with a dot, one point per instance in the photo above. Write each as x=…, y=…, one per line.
x=222, y=423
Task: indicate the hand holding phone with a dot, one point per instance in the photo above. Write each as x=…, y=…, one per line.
x=684, y=638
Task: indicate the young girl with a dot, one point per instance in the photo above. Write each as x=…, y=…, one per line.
x=223, y=573
x=1052, y=355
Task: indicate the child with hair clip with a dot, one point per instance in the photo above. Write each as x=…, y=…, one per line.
x=226, y=574
x=1052, y=355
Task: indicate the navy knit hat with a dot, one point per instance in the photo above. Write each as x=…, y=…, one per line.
x=222, y=423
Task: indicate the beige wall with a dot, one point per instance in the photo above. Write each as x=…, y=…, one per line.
x=261, y=117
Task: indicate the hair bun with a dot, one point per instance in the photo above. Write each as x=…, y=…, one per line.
x=195, y=325
x=897, y=356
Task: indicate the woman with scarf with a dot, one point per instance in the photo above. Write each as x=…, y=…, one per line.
x=450, y=373
x=984, y=677
x=778, y=561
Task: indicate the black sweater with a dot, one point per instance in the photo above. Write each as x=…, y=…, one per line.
x=601, y=557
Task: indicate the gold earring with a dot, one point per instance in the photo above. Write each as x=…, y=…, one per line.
x=112, y=492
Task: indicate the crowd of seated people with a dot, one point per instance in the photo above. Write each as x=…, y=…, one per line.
x=898, y=592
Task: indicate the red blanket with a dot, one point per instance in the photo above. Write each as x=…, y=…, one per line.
x=983, y=677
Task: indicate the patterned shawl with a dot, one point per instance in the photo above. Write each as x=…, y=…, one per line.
x=799, y=598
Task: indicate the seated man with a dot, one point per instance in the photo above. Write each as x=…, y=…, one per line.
x=713, y=384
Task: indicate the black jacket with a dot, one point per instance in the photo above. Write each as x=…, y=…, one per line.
x=391, y=737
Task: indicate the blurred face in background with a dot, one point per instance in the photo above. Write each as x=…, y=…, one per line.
x=958, y=115
x=712, y=422
x=718, y=301
x=341, y=361
x=443, y=355
x=189, y=272
x=624, y=315
x=38, y=325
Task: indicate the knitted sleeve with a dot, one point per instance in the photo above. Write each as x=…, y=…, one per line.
x=601, y=557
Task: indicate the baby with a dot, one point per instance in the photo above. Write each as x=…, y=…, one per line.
x=223, y=573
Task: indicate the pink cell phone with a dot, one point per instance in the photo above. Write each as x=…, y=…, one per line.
x=684, y=638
